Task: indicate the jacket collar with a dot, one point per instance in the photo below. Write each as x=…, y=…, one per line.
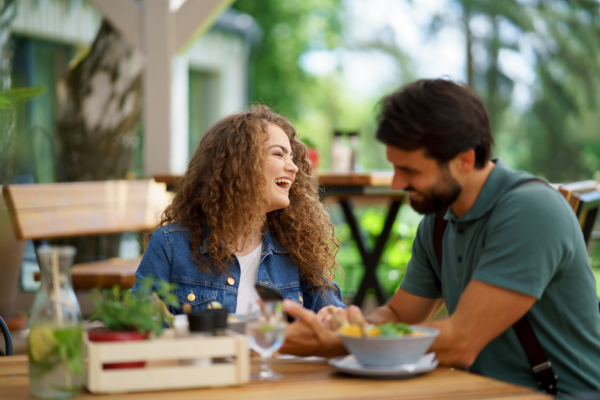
x=270, y=245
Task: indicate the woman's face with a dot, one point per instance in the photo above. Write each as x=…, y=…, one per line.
x=280, y=170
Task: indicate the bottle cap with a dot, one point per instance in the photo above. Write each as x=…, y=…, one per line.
x=201, y=321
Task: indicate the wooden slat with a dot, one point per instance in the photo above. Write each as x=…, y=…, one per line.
x=106, y=273
x=378, y=179
x=47, y=211
x=103, y=274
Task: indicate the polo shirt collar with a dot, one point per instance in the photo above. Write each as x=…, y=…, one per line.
x=501, y=179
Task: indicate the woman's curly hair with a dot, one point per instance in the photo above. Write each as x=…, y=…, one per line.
x=223, y=188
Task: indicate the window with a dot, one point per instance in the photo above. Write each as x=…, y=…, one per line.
x=204, y=102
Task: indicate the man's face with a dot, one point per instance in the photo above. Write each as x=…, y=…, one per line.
x=430, y=187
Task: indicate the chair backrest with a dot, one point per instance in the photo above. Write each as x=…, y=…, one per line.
x=55, y=210
x=584, y=198
x=7, y=338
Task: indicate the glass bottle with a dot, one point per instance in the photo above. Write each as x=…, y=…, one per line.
x=341, y=154
x=55, y=331
x=354, y=142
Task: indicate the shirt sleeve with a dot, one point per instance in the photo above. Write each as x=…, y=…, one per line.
x=529, y=234
x=315, y=299
x=156, y=262
x=421, y=278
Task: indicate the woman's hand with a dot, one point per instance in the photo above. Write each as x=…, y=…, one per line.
x=309, y=335
x=334, y=318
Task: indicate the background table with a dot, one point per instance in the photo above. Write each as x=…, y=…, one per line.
x=344, y=187
x=305, y=380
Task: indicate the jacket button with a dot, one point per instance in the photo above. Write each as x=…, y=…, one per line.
x=300, y=297
x=231, y=281
x=191, y=296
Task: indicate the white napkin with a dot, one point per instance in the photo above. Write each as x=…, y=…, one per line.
x=424, y=362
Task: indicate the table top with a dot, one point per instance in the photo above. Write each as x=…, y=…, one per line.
x=326, y=178
x=305, y=379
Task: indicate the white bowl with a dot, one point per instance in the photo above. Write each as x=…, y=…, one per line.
x=390, y=351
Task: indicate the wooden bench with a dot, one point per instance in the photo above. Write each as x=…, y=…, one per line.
x=60, y=210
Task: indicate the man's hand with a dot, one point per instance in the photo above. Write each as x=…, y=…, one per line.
x=309, y=336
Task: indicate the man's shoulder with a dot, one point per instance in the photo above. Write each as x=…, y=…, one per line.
x=534, y=192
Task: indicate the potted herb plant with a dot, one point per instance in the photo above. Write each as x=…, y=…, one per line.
x=132, y=315
x=313, y=151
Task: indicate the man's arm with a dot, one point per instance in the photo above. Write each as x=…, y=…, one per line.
x=310, y=336
x=483, y=312
x=406, y=307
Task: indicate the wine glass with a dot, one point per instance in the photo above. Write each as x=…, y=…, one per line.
x=266, y=330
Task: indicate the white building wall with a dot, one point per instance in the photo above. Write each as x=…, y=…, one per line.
x=226, y=55
x=74, y=22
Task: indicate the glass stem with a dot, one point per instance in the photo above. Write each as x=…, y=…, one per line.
x=265, y=364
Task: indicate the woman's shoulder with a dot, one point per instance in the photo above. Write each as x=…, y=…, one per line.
x=174, y=227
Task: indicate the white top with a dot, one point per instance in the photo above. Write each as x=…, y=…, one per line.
x=247, y=294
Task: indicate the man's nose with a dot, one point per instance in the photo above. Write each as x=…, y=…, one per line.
x=399, y=182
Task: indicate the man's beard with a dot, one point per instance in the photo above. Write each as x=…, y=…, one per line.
x=439, y=199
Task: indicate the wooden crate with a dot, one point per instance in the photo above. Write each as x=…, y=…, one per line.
x=163, y=368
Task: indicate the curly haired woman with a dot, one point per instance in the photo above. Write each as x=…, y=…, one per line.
x=246, y=211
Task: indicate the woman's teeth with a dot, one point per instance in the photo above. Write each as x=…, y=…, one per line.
x=283, y=182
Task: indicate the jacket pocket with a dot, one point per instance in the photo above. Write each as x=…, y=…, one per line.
x=197, y=296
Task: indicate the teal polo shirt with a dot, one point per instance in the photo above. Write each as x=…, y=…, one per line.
x=524, y=238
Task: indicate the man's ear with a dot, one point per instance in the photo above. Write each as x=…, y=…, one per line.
x=465, y=161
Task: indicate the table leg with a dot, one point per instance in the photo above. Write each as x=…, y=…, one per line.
x=370, y=258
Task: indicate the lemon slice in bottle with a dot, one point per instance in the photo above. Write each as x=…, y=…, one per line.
x=41, y=342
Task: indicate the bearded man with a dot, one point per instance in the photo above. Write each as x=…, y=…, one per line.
x=515, y=266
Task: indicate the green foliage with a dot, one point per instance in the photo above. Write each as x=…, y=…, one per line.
x=290, y=28
x=555, y=137
x=309, y=142
x=395, y=257
x=140, y=311
x=394, y=330
x=9, y=100
x=49, y=347
x=14, y=97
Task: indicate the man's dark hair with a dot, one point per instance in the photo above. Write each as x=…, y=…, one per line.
x=443, y=117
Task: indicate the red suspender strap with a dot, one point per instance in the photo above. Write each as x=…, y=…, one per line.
x=540, y=365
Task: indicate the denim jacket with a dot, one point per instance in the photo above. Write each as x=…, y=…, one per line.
x=168, y=258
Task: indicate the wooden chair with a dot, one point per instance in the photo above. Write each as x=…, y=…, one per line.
x=59, y=210
x=584, y=197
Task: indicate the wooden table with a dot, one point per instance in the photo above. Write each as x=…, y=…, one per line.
x=344, y=187
x=306, y=380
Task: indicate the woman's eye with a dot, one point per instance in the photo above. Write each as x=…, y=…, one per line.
x=278, y=154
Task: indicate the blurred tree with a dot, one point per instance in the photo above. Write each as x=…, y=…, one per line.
x=99, y=109
x=556, y=136
x=290, y=28
x=100, y=104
